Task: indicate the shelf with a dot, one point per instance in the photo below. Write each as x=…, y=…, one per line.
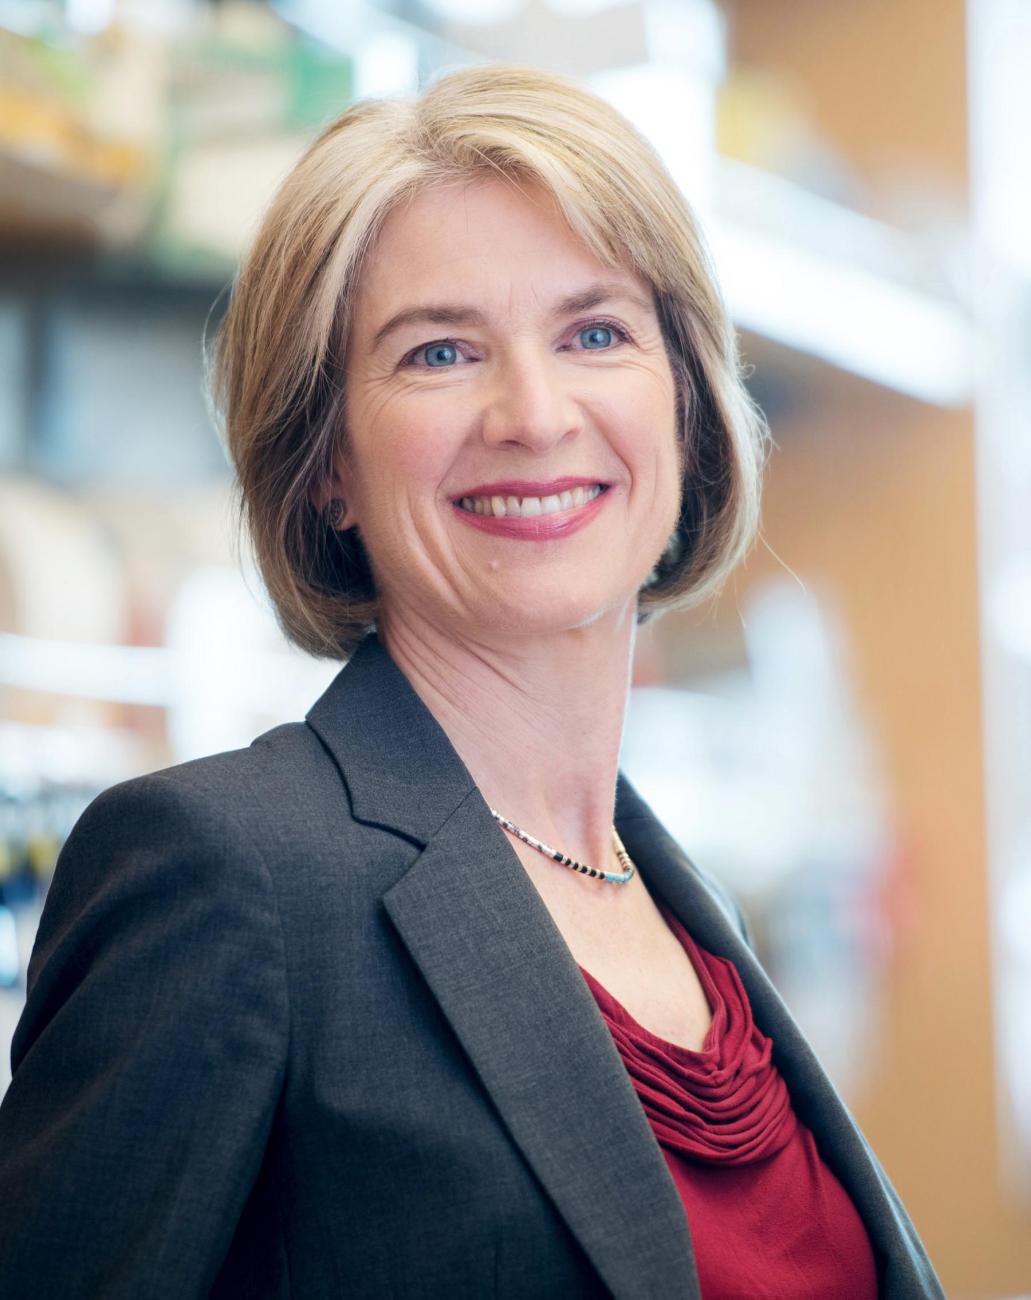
x=42, y=204
x=820, y=278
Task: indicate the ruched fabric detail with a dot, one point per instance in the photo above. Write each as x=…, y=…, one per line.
x=725, y=1104
x=767, y=1217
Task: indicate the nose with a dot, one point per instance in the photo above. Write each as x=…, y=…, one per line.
x=530, y=405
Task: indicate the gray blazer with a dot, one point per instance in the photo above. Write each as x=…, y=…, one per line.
x=299, y=1025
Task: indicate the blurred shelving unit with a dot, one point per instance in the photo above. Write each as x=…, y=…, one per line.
x=243, y=95
x=789, y=259
x=41, y=203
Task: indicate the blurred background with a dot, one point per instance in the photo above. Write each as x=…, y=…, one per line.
x=845, y=738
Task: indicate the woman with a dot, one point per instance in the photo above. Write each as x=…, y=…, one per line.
x=325, y=1016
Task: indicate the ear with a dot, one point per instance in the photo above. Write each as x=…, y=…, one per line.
x=336, y=487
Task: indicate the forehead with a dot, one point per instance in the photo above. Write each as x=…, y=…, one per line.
x=488, y=237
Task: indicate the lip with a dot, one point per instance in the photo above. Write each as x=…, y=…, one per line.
x=538, y=528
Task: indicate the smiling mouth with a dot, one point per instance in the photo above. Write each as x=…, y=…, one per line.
x=531, y=507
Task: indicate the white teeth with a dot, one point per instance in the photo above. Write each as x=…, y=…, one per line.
x=530, y=507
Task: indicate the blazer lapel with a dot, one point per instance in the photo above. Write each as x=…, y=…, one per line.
x=504, y=978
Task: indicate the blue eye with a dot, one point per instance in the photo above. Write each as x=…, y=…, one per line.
x=597, y=329
x=443, y=352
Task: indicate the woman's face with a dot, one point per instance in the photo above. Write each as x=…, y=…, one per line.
x=511, y=461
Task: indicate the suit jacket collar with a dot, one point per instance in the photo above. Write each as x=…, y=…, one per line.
x=497, y=964
x=400, y=769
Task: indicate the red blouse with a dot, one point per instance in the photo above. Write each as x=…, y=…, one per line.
x=767, y=1217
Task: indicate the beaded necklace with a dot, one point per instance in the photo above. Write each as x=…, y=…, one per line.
x=614, y=877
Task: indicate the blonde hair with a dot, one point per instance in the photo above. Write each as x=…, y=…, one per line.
x=277, y=377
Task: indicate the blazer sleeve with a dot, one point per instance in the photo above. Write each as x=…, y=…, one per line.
x=150, y=1055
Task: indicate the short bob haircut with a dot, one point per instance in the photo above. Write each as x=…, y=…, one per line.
x=277, y=379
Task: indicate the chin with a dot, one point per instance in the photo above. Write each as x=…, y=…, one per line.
x=543, y=613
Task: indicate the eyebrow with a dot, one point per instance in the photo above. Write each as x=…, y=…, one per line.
x=448, y=313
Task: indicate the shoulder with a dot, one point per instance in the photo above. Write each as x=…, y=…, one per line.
x=223, y=825
x=276, y=813
x=232, y=782
x=240, y=792
x=162, y=868
x=204, y=822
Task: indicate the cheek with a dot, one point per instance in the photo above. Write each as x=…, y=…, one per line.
x=650, y=419
x=421, y=455
x=669, y=465
x=406, y=450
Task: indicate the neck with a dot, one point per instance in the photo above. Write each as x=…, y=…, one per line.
x=537, y=720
